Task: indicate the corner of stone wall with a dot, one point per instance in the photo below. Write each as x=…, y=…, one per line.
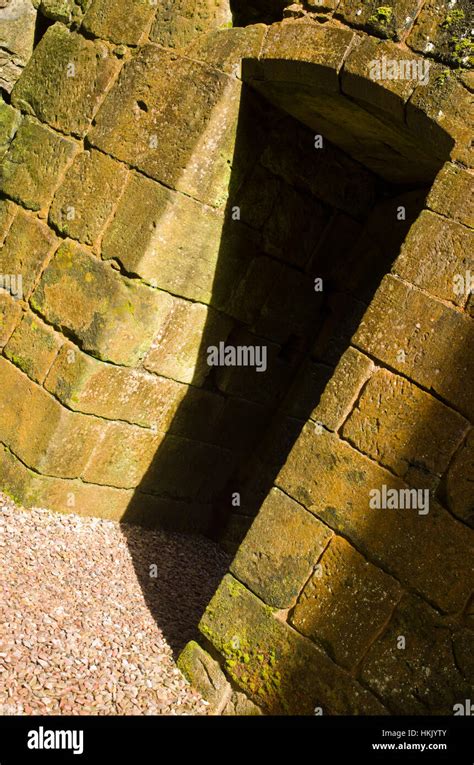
x=207, y=676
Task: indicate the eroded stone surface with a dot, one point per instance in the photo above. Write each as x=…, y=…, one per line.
x=277, y=667
x=175, y=120
x=25, y=252
x=88, y=196
x=168, y=239
x=452, y=194
x=109, y=314
x=179, y=21
x=435, y=253
x=33, y=347
x=34, y=163
x=421, y=663
x=419, y=336
x=281, y=547
x=121, y=23
x=399, y=426
x=10, y=119
x=65, y=80
x=358, y=597
x=89, y=385
x=17, y=32
x=334, y=482
x=459, y=482
x=44, y=435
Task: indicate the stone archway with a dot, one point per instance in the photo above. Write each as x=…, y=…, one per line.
x=271, y=601
x=142, y=267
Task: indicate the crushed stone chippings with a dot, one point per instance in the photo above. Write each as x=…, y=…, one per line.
x=94, y=613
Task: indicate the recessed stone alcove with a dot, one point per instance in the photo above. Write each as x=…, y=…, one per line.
x=158, y=202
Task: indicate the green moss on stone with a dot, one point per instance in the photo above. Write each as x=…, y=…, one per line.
x=383, y=15
x=443, y=76
x=459, y=43
x=453, y=17
x=383, y=22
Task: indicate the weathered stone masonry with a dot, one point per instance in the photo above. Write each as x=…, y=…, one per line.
x=132, y=135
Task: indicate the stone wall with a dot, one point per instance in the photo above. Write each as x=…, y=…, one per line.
x=169, y=184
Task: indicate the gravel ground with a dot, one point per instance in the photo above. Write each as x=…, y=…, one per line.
x=84, y=628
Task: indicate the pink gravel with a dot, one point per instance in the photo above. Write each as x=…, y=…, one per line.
x=84, y=628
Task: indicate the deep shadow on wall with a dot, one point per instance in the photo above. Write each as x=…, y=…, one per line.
x=306, y=214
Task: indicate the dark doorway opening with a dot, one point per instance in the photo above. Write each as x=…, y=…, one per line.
x=309, y=233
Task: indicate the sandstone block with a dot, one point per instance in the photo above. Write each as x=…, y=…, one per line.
x=67, y=11
x=442, y=113
x=279, y=669
x=167, y=514
x=243, y=380
x=179, y=21
x=180, y=350
x=292, y=307
x=122, y=23
x=241, y=424
x=33, y=347
x=251, y=286
x=280, y=550
x=235, y=530
x=432, y=669
x=306, y=389
x=118, y=393
x=241, y=706
x=400, y=426
x=174, y=119
x=113, y=317
x=10, y=313
x=339, y=318
x=258, y=196
x=389, y=100
x=17, y=34
x=40, y=432
x=431, y=553
x=205, y=674
x=25, y=252
x=88, y=196
x=459, y=482
x=122, y=456
x=392, y=20
x=7, y=212
x=10, y=119
x=225, y=49
x=198, y=415
x=310, y=47
x=32, y=167
x=452, y=194
x=280, y=434
x=34, y=490
x=342, y=389
x=65, y=80
x=358, y=596
x=294, y=226
x=330, y=176
x=169, y=240
x=442, y=30
x=186, y=470
x=434, y=254
x=422, y=339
